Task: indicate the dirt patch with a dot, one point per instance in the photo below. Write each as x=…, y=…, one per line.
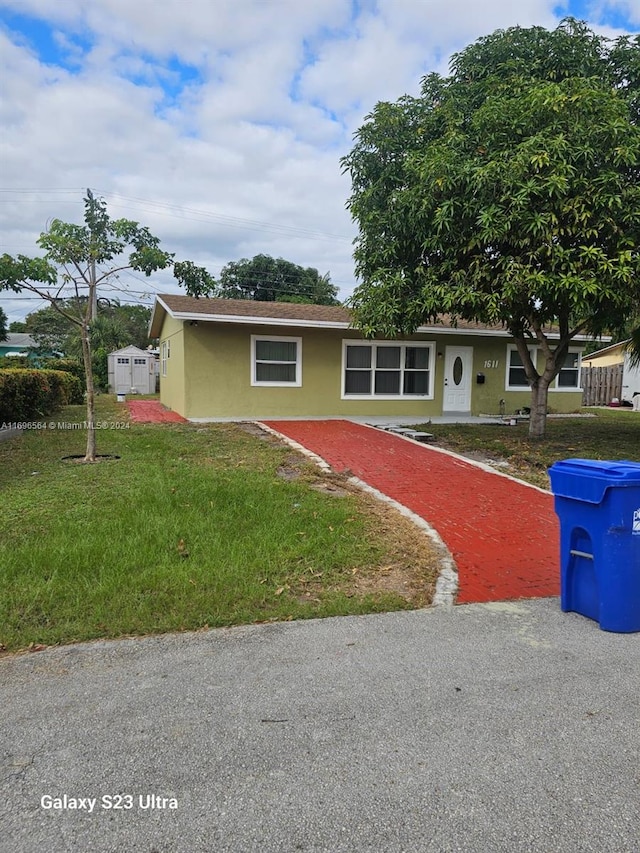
x=329, y=489
x=254, y=429
x=293, y=467
x=486, y=458
x=79, y=458
x=413, y=561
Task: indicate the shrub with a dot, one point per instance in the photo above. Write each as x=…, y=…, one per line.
x=68, y=365
x=27, y=395
x=11, y=362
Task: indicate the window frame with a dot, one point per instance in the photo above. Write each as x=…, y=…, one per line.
x=165, y=355
x=570, y=389
x=555, y=386
x=534, y=357
x=255, y=382
x=373, y=346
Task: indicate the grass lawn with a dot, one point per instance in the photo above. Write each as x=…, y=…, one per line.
x=611, y=434
x=192, y=526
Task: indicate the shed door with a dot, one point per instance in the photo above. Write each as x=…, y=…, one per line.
x=458, y=364
x=123, y=374
x=140, y=375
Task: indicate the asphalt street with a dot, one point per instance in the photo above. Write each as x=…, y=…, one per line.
x=485, y=727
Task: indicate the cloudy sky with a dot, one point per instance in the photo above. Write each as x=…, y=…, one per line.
x=219, y=124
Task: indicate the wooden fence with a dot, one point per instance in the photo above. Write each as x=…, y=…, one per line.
x=601, y=384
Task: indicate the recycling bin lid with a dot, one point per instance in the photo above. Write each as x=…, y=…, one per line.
x=588, y=479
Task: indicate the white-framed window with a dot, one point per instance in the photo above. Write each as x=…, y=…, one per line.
x=569, y=377
x=276, y=361
x=165, y=355
x=567, y=380
x=516, y=378
x=387, y=370
x=122, y=360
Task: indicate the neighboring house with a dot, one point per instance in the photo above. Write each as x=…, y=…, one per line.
x=607, y=356
x=18, y=343
x=131, y=371
x=613, y=355
x=230, y=359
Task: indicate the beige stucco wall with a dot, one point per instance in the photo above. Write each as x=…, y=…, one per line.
x=173, y=385
x=217, y=383
x=608, y=359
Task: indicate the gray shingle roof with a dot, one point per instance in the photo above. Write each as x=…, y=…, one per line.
x=289, y=312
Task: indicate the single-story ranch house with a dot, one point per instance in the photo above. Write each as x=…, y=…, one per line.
x=231, y=359
x=18, y=343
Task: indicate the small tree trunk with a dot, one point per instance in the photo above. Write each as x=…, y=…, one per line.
x=90, y=453
x=538, y=417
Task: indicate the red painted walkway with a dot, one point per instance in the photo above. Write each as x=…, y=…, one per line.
x=504, y=536
x=152, y=412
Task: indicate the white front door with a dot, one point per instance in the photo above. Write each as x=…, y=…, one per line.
x=458, y=364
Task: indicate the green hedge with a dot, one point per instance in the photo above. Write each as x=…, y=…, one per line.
x=28, y=395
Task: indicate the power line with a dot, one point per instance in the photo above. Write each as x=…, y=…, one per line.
x=194, y=214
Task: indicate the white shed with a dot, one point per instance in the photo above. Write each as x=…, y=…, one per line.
x=132, y=371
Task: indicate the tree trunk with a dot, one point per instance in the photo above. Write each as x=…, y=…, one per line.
x=538, y=417
x=90, y=453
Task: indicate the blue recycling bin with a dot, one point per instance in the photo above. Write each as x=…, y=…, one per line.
x=598, y=504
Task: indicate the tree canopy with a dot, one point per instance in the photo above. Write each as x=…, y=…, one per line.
x=115, y=326
x=77, y=260
x=507, y=193
x=267, y=279
x=3, y=325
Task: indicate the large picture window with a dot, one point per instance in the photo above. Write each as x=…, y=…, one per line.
x=276, y=361
x=387, y=370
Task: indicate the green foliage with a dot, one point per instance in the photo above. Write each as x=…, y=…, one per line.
x=611, y=434
x=115, y=326
x=267, y=279
x=51, y=330
x=67, y=365
x=3, y=325
x=28, y=395
x=78, y=260
x=507, y=193
x=634, y=346
x=100, y=367
x=17, y=326
x=195, y=280
x=16, y=361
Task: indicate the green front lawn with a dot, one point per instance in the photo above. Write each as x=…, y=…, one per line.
x=191, y=527
x=611, y=435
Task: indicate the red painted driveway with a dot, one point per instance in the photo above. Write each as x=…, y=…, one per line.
x=504, y=536
x=152, y=412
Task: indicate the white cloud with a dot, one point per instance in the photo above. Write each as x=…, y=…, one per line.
x=255, y=133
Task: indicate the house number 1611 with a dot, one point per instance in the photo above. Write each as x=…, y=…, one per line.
x=491, y=363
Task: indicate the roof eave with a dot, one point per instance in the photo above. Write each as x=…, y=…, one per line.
x=155, y=323
x=254, y=320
